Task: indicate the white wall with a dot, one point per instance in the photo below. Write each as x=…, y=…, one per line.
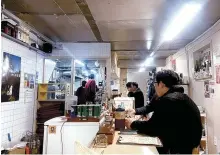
x=139, y=77
x=84, y=50
x=18, y=117
x=212, y=105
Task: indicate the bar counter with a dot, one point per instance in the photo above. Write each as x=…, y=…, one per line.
x=125, y=149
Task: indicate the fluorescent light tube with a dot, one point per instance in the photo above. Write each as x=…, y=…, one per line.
x=142, y=69
x=181, y=20
x=79, y=62
x=152, y=54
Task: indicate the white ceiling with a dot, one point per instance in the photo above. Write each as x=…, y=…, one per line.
x=129, y=25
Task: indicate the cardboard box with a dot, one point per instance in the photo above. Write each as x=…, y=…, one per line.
x=109, y=131
x=17, y=151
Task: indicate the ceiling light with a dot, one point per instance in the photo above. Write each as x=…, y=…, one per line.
x=148, y=45
x=148, y=61
x=80, y=62
x=142, y=69
x=152, y=54
x=181, y=20
x=93, y=71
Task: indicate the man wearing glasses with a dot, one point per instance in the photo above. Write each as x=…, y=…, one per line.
x=176, y=118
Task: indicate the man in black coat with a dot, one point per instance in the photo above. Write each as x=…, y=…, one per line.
x=135, y=92
x=176, y=118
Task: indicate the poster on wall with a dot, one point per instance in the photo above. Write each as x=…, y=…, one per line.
x=173, y=65
x=203, y=64
x=28, y=81
x=11, y=72
x=209, y=89
x=217, y=67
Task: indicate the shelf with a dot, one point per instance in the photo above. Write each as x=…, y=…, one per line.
x=204, y=138
x=52, y=91
x=23, y=44
x=54, y=100
x=203, y=114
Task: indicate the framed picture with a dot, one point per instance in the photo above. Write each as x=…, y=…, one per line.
x=11, y=74
x=203, y=63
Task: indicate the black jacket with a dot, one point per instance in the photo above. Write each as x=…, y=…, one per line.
x=81, y=94
x=176, y=121
x=139, y=98
x=150, y=107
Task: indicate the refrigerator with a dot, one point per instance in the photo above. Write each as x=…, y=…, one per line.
x=60, y=135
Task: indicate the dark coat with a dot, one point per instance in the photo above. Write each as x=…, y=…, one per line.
x=81, y=94
x=176, y=121
x=139, y=98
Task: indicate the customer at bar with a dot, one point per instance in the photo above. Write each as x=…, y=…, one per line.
x=136, y=93
x=176, y=118
x=130, y=92
x=81, y=94
x=91, y=89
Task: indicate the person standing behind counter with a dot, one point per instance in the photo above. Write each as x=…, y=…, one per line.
x=135, y=92
x=176, y=119
x=81, y=94
x=91, y=89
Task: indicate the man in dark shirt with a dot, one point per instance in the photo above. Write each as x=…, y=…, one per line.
x=81, y=94
x=176, y=118
x=135, y=92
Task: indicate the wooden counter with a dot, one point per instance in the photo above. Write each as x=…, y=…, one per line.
x=125, y=149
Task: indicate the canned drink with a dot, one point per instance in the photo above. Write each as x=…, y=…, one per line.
x=84, y=111
x=90, y=109
x=79, y=111
x=96, y=111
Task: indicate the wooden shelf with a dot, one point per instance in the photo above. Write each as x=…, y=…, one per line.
x=53, y=100
x=61, y=91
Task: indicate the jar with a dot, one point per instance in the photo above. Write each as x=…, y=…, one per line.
x=120, y=118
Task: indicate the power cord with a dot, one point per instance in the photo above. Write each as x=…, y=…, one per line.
x=62, y=136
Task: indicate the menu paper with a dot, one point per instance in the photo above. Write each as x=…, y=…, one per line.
x=137, y=139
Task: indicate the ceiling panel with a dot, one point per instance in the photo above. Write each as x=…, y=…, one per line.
x=48, y=17
x=108, y=10
x=129, y=45
x=70, y=31
x=43, y=6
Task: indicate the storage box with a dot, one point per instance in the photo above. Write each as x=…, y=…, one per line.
x=109, y=131
x=17, y=151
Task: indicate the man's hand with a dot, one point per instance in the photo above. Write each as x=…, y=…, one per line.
x=128, y=122
x=130, y=113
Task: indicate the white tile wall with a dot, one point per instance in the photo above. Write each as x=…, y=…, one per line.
x=18, y=117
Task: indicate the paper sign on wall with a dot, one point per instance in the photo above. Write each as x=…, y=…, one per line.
x=52, y=129
x=217, y=67
x=209, y=89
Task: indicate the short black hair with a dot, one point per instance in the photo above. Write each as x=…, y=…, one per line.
x=129, y=84
x=135, y=84
x=84, y=83
x=168, y=77
x=92, y=76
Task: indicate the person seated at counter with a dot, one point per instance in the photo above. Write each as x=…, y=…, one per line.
x=176, y=118
x=81, y=94
x=135, y=92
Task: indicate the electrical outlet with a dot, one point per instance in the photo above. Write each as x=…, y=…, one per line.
x=215, y=141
